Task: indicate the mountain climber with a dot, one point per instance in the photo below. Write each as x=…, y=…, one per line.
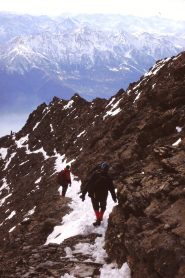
x=88, y=176
x=98, y=186
x=64, y=179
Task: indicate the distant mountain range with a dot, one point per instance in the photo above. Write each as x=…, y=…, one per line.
x=93, y=55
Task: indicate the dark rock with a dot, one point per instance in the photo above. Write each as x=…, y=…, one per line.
x=48, y=225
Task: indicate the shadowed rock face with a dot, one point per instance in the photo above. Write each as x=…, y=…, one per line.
x=135, y=132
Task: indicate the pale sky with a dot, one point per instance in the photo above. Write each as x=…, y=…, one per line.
x=165, y=8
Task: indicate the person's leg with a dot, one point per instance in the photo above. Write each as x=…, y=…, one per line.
x=103, y=205
x=64, y=189
x=95, y=205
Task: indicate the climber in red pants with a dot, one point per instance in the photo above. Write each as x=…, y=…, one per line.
x=98, y=186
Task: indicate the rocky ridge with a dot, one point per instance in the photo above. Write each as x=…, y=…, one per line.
x=140, y=132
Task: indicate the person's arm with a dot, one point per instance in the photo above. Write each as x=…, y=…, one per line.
x=112, y=190
x=84, y=191
x=87, y=186
x=69, y=178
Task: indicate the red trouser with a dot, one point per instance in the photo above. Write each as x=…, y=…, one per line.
x=99, y=207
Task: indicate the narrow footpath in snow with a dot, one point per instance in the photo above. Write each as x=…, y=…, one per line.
x=79, y=222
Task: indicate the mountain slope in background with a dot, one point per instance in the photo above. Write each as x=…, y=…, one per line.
x=92, y=55
x=140, y=132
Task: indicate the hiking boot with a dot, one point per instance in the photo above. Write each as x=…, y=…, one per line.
x=97, y=223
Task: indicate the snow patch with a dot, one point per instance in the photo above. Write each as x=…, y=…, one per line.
x=30, y=212
x=157, y=67
x=41, y=150
x=60, y=162
x=3, y=152
x=38, y=180
x=68, y=276
x=69, y=105
x=2, y=201
x=97, y=252
x=112, y=111
x=36, y=125
x=45, y=110
x=11, y=230
x=112, y=100
x=153, y=86
x=9, y=161
x=11, y=215
x=21, y=141
x=178, y=128
x=137, y=97
x=111, y=270
x=80, y=134
x=52, y=130
x=5, y=185
x=177, y=142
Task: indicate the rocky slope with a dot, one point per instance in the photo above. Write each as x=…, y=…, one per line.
x=141, y=134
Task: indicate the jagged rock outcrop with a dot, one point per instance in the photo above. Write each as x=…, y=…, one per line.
x=140, y=132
